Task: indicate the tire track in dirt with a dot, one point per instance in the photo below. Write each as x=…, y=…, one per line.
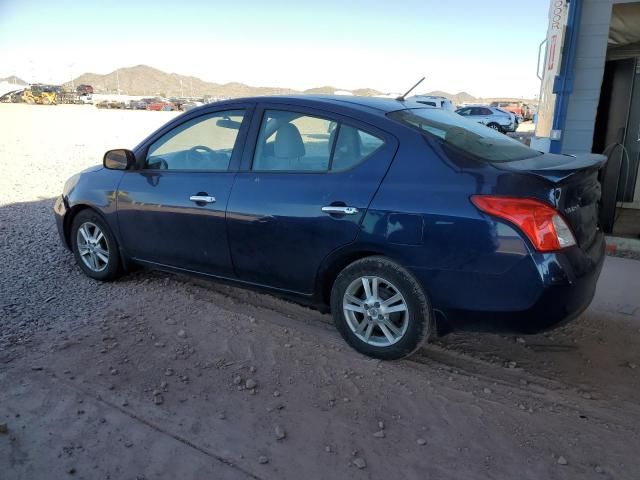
x=564, y=397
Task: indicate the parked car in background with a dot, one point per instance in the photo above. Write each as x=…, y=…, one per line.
x=137, y=105
x=177, y=102
x=513, y=107
x=111, y=104
x=185, y=107
x=84, y=89
x=387, y=213
x=162, y=105
x=492, y=117
x=13, y=96
x=434, y=101
x=85, y=99
x=528, y=111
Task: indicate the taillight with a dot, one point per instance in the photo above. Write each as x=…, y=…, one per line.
x=541, y=223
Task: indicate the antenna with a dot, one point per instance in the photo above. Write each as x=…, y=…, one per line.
x=402, y=97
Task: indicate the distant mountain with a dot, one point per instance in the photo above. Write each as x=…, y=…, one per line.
x=326, y=90
x=145, y=80
x=366, y=92
x=148, y=81
x=13, y=79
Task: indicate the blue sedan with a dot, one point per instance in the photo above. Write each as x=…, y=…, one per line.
x=398, y=218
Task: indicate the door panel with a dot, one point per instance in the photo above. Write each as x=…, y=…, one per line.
x=278, y=233
x=159, y=223
x=172, y=211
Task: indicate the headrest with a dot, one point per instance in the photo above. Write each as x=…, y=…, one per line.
x=288, y=142
x=348, y=142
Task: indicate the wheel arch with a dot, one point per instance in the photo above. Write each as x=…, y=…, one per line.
x=73, y=213
x=332, y=267
x=498, y=126
x=68, y=220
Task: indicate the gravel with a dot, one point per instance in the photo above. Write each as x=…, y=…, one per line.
x=280, y=433
x=79, y=332
x=41, y=285
x=360, y=463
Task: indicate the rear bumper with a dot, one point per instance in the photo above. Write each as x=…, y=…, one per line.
x=60, y=209
x=539, y=292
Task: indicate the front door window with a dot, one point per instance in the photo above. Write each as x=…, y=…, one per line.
x=204, y=143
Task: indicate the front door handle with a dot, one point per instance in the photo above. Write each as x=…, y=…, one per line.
x=340, y=210
x=202, y=198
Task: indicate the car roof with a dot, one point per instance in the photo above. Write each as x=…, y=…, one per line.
x=372, y=105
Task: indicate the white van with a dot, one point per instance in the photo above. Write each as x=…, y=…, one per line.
x=433, y=101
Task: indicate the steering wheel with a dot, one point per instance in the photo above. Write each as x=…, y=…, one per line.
x=197, y=152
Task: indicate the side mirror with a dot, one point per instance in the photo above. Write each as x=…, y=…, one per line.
x=120, y=159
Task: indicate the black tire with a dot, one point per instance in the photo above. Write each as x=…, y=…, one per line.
x=495, y=126
x=113, y=267
x=419, y=320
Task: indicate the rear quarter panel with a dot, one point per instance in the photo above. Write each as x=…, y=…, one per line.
x=422, y=217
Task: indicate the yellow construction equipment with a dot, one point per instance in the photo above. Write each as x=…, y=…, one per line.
x=40, y=95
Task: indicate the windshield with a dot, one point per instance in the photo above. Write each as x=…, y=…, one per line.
x=466, y=135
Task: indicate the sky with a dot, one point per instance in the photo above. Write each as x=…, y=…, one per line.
x=484, y=47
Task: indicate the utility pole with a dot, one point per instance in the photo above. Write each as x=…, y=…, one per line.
x=118, y=82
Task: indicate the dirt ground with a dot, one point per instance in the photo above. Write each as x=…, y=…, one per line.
x=162, y=376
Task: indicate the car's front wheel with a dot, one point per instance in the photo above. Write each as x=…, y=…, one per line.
x=94, y=246
x=380, y=309
x=495, y=126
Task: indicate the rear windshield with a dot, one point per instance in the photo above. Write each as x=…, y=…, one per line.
x=465, y=135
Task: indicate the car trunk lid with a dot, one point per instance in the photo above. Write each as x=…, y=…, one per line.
x=569, y=182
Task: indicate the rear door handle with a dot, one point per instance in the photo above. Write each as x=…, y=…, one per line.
x=202, y=198
x=340, y=210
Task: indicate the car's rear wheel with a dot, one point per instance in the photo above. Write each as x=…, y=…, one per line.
x=380, y=309
x=495, y=126
x=94, y=246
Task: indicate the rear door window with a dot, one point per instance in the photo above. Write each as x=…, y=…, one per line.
x=352, y=147
x=293, y=142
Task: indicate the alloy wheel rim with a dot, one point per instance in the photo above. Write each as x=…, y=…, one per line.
x=93, y=247
x=375, y=311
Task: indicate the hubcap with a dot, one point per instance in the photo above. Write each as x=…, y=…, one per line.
x=376, y=311
x=93, y=247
